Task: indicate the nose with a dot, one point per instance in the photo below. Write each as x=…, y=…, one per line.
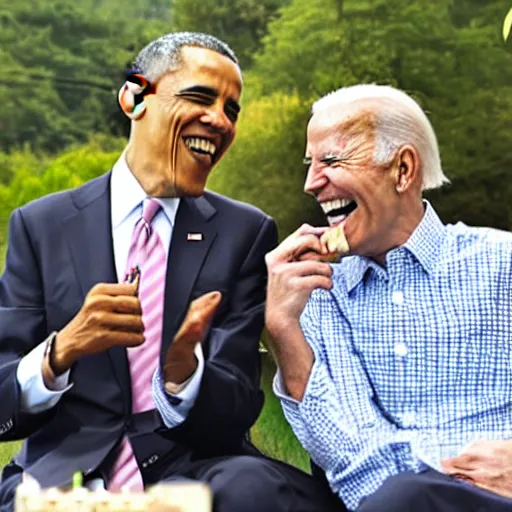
x=315, y=179
x=217, y=118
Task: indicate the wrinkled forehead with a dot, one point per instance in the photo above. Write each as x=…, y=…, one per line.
x=341, y=125
x=205, y=65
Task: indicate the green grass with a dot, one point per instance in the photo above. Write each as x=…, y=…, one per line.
x=7, y=450
x=271, y=434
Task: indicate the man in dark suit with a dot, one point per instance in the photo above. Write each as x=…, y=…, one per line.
x=77, y=371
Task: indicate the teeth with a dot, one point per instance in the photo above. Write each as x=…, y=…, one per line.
x=201, y=144
x=335, y=204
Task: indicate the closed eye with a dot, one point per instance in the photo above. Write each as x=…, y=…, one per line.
x=196, y=97
x=333, y=160
x=231, y=113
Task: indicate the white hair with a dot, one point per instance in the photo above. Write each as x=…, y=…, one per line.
x=400, y=121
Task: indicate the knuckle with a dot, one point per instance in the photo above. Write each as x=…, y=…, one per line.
x=94, y=302
x=97, y=318
x=96, y=289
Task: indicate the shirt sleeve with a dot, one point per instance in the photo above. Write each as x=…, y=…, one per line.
x=174, y=408
x=35, y=396
x=340, y=424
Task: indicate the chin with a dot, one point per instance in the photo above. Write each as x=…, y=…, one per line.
x=194, y=191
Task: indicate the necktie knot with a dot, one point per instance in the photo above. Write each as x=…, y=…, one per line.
x=150, y=208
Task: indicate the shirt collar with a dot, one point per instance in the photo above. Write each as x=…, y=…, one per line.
x=126, y=195
x=425, y=241
x=424, y=244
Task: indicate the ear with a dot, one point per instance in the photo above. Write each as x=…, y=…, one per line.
x=131, y=96
x=407, y=171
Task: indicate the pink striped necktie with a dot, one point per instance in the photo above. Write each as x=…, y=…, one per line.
x=147, y=252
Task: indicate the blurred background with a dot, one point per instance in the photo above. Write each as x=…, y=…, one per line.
x=62, y=63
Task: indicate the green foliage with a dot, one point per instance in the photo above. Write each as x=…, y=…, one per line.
x=241, y=23
x=62, y=67
x=34, y=177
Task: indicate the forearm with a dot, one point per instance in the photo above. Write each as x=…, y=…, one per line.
x=293, y=357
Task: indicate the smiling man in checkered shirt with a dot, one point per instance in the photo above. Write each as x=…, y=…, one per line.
x=395, y=367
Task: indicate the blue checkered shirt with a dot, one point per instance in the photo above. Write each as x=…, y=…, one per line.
x=412, y=362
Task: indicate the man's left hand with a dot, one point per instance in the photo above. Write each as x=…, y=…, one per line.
x=180, y=362
x=487, y=464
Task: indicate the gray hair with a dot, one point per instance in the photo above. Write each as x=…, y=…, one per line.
x=163, y=54
x=400, y=121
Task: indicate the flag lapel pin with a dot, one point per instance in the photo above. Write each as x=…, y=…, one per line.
x=195, y=237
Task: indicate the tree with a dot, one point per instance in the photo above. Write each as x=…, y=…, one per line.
x=62, y=67
x=241, y=23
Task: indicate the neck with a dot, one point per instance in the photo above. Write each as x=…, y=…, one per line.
x=148, y=171
x=405, y=225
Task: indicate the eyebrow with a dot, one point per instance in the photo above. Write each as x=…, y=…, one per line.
x=209, y=91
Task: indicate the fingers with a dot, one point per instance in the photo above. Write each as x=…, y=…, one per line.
x=115, y=289
x=124, y=339
x=117, y=304
x=305, y=239
x=303, y=268
x=312, y=268
x=123, y=322
x=206, y=304
x=463, y=461
x=306, y=229
x=198, y=317
x=313, y=282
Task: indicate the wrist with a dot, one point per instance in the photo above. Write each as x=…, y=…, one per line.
x=61, y=355
x=180, y=364
x=280, y=327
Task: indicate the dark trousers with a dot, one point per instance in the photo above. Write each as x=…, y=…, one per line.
x=256, y=483
x=431, y=491
x=242, y=483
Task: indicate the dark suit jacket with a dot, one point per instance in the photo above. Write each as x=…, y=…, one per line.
x=59, y=247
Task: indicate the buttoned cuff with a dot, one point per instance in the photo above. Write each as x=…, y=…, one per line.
x=174, y=407
x=35, y=396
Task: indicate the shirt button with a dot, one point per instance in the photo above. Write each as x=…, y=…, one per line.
x=400, y=349
x=397, y=298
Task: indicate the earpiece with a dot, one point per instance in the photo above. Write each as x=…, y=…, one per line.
x=131, y=96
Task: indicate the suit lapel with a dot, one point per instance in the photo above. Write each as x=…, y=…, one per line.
x=89, y=233
x=186, y=256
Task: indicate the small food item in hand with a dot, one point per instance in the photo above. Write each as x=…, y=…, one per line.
x=335, y=242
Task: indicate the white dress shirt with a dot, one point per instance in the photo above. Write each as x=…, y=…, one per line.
x=126, y=208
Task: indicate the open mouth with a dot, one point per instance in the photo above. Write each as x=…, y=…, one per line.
x=338, y=210
x=201, y=146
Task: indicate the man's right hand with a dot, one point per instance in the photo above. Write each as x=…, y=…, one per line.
x=294, y=271
x=110, y=316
